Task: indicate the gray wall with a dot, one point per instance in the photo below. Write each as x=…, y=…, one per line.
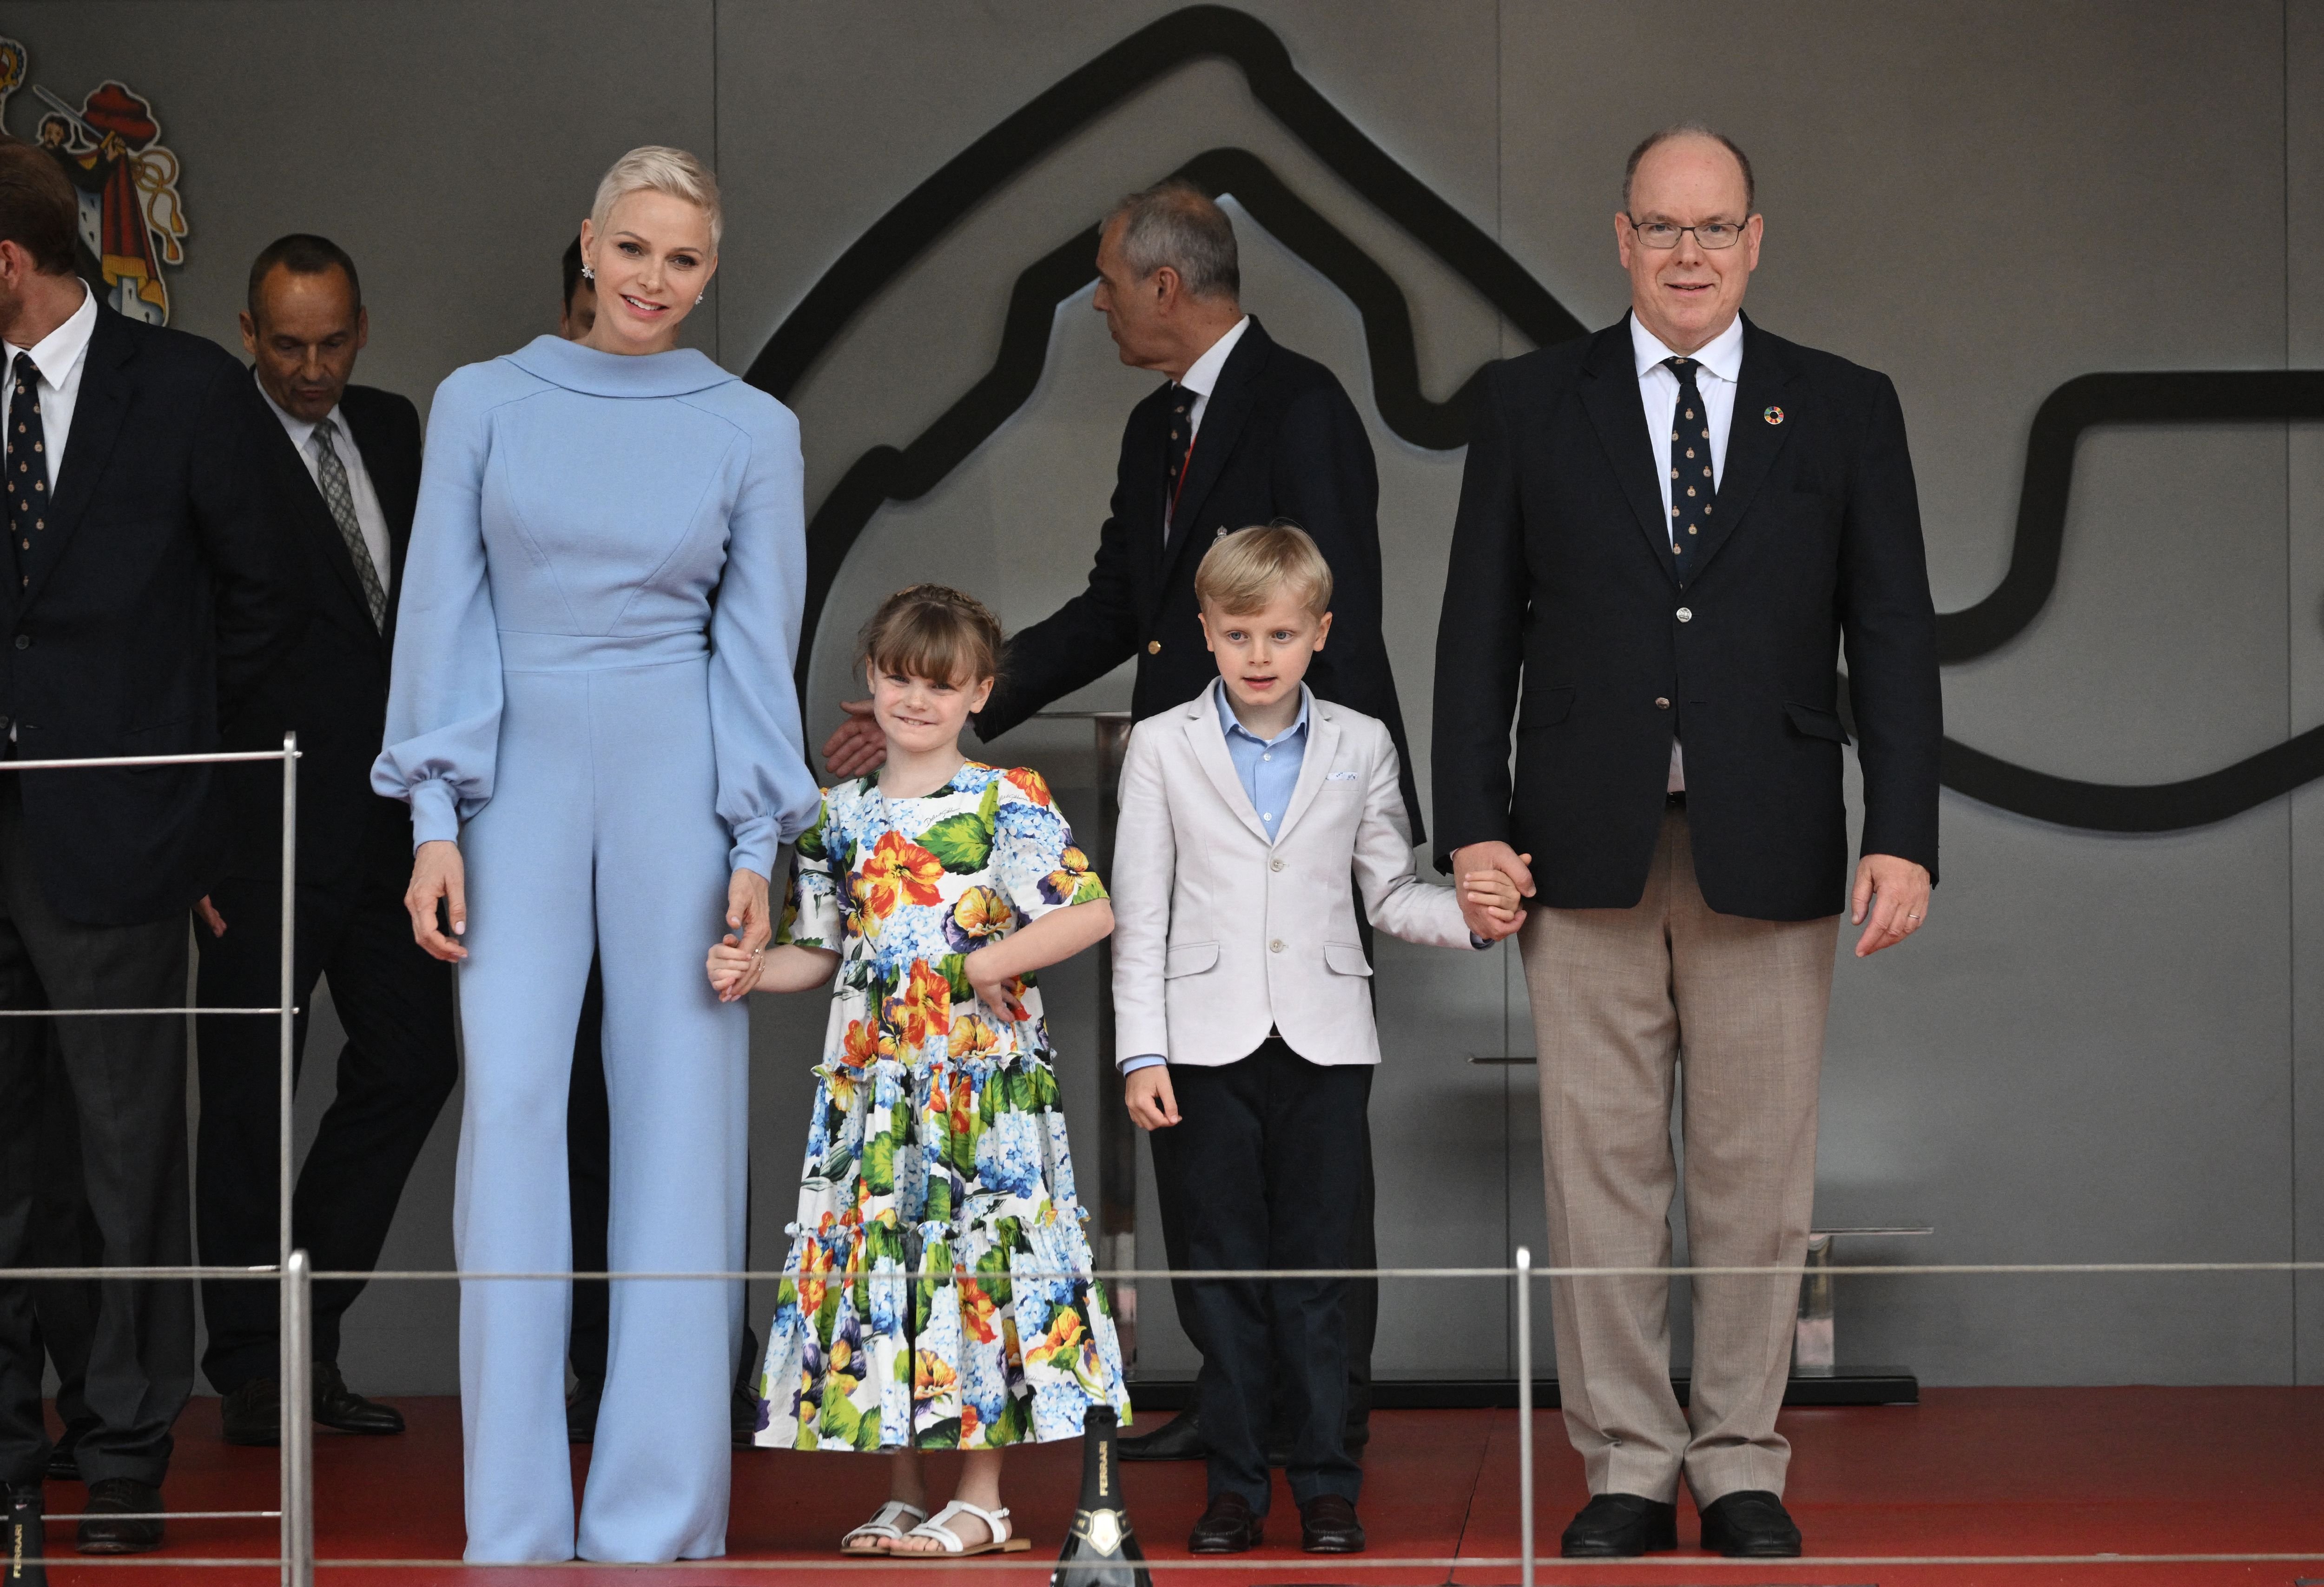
x=2101, y=1047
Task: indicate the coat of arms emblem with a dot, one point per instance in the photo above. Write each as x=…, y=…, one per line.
x=111, y=151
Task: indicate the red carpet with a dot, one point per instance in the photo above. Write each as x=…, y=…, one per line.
x=1971, y=1471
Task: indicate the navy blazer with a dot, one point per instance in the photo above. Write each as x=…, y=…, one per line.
x=1562, y=611
x=331, y=687
x=160, y=608
x=1280, y=440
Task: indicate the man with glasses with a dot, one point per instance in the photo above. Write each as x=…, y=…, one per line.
x=1666, y=533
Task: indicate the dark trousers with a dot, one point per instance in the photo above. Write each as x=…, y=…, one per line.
x=1269, y=1160
x=394, y=1073
x=589, y=1187
x=63, y=1235
x=128, y=1080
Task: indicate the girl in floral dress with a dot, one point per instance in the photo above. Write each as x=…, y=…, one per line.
x=938, y=1176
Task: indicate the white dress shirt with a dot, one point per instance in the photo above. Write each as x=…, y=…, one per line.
x=368, y=516
x=59, y=356
x=1719, y=365
x=1201, y=376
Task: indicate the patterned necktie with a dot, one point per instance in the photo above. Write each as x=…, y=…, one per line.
x=332, y=475
x=28, y=471
x=1177, y=449
x=1689, y=473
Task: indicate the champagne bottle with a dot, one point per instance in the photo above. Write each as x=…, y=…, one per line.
x=1100, y=1550
x=22, y=1566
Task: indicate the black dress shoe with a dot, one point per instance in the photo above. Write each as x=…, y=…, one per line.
x=343, y=1410
x=20, y=1564
x=64, y=1460
x=1228, y=1526
x=581, y=1410
x=1328, y=1525
x=252, y=1414
x=1178, y=1439
x=110, y=1523
x=1620, y=1526
x=1750, y=1524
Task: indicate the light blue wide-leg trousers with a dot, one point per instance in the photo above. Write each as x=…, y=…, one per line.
x=601, y=833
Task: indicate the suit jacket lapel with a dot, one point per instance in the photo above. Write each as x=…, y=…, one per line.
x=1610, y=392
x=1752, y=441
x=1322, y=744
x=1210, y=742
x=102, y=404
x=1223, y=417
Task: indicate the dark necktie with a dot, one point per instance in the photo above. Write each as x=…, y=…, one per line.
x=331, y=474
x=1177, y=448
x=28, y=471
x=1690, y=471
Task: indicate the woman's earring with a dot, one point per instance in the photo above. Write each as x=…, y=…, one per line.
x=587, y=273
x=699, y=296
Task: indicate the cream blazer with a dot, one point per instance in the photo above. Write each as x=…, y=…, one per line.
x=1220, y=934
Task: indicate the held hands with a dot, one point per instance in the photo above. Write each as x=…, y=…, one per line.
x=747, y=910
x=1153, y=1105
x=1494, y=880
x=856, y=745
x=1895, y=894
x=735, y=970
x=438, y=874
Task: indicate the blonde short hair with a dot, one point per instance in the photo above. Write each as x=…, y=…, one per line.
x=1241, y=574
x=663, y=169
x=932, y=631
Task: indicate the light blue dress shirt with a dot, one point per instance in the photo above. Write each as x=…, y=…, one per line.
x=1269, y=768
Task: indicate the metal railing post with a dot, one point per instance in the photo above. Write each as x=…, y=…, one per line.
x=297, y=1403
x=1524, y=1412
x=286, y=1080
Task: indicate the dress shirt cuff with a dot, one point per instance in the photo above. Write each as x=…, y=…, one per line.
x=755, y=843
x=1142, y=1061
x=434, y=813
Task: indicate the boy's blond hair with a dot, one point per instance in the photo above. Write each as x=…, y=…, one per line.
x=1241, y=572
x=934, y=631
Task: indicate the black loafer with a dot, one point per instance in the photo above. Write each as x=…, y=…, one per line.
x=21, y=1563
x=343, y=1410
x=1178, y=1439
x=123, y=1516
x=1751, y=1524
x=581, y=1410
x=64, y=1458
x=1328, y=1525
x=1228, y=1526
x=1620, y=1526
x=252, y=1414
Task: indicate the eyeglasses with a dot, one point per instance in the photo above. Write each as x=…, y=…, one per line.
x=1713, y=235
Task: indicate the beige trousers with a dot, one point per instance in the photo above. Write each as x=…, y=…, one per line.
x=1618, y=994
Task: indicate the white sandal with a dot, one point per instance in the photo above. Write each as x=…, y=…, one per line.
x=996, y=1522
x=881, y=1528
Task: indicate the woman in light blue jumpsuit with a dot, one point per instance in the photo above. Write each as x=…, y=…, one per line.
x=593, y=695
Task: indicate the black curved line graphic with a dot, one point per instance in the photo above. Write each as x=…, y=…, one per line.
x=920, y=219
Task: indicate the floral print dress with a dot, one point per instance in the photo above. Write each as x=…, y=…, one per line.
x=936, y=1164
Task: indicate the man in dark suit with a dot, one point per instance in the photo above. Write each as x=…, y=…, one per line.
x=1666, y=532
x=145, y=598
x=344, y=462
x=1244, y=431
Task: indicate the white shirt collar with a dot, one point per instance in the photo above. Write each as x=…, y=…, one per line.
x=1201, y=376
x=58, y=353
x=1722, y=356
x=302, y=430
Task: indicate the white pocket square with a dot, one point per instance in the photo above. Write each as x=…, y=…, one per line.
x=1339, y=777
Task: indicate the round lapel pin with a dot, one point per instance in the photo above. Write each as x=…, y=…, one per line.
x=1773, y=416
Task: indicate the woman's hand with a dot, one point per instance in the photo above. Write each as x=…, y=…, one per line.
x=747, y=913
x=734, y=970
x=995, y=986
x=437, y=872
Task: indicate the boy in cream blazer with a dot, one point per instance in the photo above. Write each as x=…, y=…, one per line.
x=1243, y=1001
